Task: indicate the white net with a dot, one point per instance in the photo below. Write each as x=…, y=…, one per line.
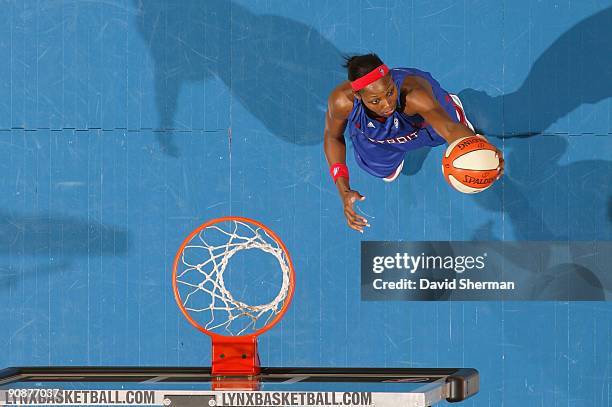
x=205, y=265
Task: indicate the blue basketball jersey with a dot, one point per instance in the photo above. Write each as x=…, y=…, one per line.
x=380, y=146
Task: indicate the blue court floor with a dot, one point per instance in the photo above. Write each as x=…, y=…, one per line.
x=126, y=124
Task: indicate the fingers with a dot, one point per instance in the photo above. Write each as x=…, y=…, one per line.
x=500, y=168
x=354, y=220
x=356, y=196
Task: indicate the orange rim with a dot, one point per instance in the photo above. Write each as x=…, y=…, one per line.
x=273, y=235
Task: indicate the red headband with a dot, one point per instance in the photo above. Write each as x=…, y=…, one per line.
x=370, y=77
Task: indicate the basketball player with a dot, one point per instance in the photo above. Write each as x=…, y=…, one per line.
x=388, y=112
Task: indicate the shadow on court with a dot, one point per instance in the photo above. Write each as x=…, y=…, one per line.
x=558, y=277
x=544, y=198
x=280, y=69
x=49, y=243
x=576, y=69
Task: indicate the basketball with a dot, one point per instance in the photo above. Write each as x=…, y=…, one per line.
x=470, y=164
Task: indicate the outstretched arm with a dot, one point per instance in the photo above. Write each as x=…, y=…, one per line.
x=423, y=102
x=338, y=110
x=426, y=105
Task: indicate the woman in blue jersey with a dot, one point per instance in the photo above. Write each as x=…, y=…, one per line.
x=388, y=112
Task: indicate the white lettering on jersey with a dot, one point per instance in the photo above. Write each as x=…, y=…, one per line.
x=400, y=140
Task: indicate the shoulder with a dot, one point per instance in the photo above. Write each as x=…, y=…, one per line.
x=340, y=101
x=417, y=94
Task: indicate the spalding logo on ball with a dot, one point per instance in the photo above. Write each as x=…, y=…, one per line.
x=470, y=164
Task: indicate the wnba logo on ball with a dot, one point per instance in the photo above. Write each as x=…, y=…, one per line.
x=469, y=142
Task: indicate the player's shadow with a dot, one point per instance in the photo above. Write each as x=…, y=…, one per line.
x=544, y=198
x=558, y=277
x=279, y=69
x=576, y=69
x=47, y=242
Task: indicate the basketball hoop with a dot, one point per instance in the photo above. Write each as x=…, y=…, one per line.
x=201, y=267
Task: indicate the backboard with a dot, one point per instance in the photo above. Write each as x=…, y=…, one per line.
x=205, y=289
x=192, y=386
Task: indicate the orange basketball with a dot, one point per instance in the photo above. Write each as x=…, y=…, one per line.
x=470, y=164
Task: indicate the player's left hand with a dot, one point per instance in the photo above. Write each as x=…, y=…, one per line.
x=499, y=154
x=500, y=169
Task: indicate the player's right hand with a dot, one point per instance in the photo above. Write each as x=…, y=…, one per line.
x=354, y=221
